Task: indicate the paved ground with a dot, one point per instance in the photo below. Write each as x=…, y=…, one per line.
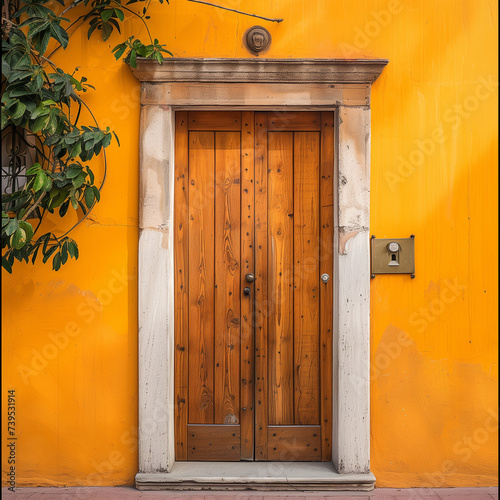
x=129, y=493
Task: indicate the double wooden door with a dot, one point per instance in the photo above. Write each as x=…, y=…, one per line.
x=253, y=316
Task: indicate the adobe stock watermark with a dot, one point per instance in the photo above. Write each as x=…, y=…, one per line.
x=87, y=311
x=387, y=352
x=129, y=439
x=463, y=449
x=426, y=147
x=379, y=20
x=448, y=294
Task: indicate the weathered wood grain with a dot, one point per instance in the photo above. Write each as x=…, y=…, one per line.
x=214, y=443
x=261, y=300
x=227, y=277
x=294, y=443
x=294, y=120
x=201, y=277
x=181, y=259
x=280, y=277
x=247, y=396
x=306, y=266
x=210, y=120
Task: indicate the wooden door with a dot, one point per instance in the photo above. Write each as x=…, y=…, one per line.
x=253, y=368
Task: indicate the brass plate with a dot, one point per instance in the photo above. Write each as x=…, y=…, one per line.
x=382, y=257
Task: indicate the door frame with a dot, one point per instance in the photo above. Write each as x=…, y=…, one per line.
x=343, y=86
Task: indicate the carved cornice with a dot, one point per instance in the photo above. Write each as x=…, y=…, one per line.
x=260, y=70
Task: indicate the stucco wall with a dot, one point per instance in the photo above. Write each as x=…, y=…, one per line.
x=70, y=338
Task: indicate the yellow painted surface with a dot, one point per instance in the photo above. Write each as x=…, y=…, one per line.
x=70, y=338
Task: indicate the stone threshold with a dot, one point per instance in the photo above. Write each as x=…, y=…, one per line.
x=302, y=476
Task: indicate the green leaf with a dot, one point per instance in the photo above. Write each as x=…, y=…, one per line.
x=40, y=123
x=133, y=55
x=75, y=150
x=64, y=252
x=63, y=208
x=73, y=172
x=72, y=249
x=119, y=14
x=97, y=193
x=56, y=262
x=39, y=181
x=18, y=239
x=91, y=175
x=107, y=29
x=120, y=52
x=78, y=181
x=40, y=110
x=6, y=265
x=11, y=227
x=90, y=31
x=82, y=206
x=34, y=168
x=28, y=229
x=19, y=110
x=35, y=253
x=106, y=14
x=47, y=254
x=60, y=34
x=47, y=186
x=89, y=196
x=5, y=118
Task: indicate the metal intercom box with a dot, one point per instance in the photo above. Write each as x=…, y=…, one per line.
x=393, y=256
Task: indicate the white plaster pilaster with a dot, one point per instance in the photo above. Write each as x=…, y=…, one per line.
x=351, y=430
x=156, y=291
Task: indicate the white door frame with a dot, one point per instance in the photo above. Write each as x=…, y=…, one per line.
x=256, y=84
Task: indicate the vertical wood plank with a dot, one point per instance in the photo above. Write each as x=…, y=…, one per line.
x=227, y=278
x=306, y=277
x=280, y=277
x=181, y=256
x=326, y=289
x=261, y=372
x=247, y=266
x=201, y=277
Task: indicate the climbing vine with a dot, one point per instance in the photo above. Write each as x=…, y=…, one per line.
x=47, y=147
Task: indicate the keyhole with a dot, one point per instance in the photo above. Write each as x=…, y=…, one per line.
x=393, y=257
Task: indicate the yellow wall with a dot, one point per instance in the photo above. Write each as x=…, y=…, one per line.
x=70, y=338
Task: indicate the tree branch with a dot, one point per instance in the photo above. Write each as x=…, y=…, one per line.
x=37, y=202
x=273, y=20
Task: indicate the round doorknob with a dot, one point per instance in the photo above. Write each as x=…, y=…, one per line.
x=246, y=290
x=325, y=277
x=250, y=278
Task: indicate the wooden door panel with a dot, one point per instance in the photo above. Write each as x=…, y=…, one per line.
x=294, y=318
x=216, y=443
x=181, y=256
x=298, y=120
x=306, y=277
x=280, y=277
x=253, y=194
x=294, y=443
x=227, y=278
x=201, y=277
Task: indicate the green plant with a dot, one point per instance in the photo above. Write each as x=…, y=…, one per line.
x=40, y=114
x=41, y=109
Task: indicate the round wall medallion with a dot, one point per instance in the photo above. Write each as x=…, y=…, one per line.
x=257, y=39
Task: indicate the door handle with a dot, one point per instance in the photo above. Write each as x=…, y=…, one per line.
x=246, y=290
x=250, y=278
